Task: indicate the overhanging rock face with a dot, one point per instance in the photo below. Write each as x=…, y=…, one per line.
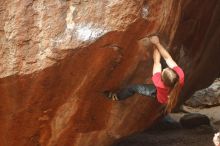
x=58, y=56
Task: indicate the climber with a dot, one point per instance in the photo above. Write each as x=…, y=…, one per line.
x=167, y=83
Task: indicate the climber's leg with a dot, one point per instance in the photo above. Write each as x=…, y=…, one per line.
x=121, y=94
x=124, y=93
x=145, y=90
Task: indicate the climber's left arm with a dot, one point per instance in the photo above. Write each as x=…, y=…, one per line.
x=157, y=65
x=164, y=53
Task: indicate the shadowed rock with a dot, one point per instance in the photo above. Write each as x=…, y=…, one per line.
x=194, y=120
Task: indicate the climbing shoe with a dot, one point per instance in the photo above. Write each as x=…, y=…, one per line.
x=111, y=95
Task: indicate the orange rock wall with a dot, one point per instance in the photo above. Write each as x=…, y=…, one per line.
x=58, y=56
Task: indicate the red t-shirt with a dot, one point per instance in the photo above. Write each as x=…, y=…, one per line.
x=162, y=90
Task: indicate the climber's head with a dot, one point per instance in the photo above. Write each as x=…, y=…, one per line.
x=169, y=77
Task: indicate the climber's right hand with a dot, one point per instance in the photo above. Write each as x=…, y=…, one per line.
x=154, y=39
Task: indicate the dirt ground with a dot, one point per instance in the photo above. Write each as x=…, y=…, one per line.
x=172, y=134
x=174, y=137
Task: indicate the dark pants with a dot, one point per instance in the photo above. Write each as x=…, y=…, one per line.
x=143, y=89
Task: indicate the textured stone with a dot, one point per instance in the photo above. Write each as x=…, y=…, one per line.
x=207, y=97
x=194, y=120
x=57, y=56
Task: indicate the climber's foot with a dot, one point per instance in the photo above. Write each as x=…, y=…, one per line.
x=111, y=95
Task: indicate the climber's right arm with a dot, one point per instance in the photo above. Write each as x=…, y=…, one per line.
x=164, y=53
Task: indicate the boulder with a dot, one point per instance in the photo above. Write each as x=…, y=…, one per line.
x=207, y=97
x=193, y=120
x=57, y=56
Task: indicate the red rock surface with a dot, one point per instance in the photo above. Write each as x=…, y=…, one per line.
x=57, y=56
